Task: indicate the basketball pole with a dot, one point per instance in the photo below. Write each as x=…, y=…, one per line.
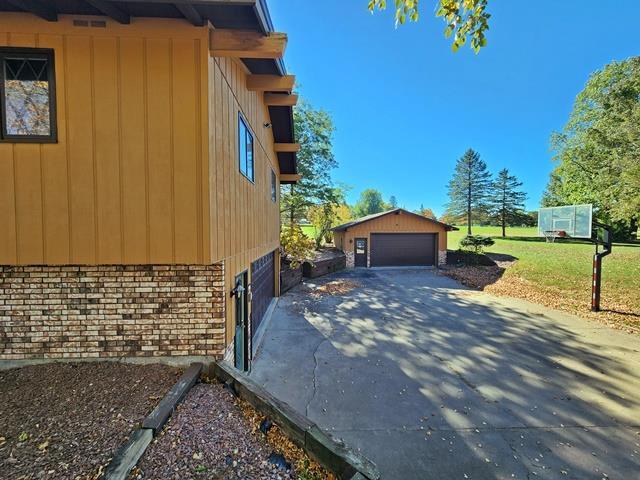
x=606, y=241
x=597, y=280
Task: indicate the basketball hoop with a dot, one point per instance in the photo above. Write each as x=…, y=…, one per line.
x=576, y=221
x=551, y=235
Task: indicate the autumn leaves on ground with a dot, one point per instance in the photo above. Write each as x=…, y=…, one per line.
x=557, y=275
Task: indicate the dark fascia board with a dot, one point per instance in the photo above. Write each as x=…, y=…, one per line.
x=264, y=17
x=358, y=221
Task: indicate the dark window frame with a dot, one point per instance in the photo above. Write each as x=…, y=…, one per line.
x=21, y=52
x=242, y=122
x=274, y=187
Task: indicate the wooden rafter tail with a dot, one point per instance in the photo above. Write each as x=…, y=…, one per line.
x=246, y=44
x=290, y=177
x=280, y=99
x=287, y=147
x=270, y=83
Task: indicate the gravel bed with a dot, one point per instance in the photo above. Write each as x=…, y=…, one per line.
x=208, y=437
x=65, y=420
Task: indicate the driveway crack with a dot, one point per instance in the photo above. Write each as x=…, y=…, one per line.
x=315, y=378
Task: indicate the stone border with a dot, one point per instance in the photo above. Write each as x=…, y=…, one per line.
x=335, y=456
x=132, y=450
x=181, y=361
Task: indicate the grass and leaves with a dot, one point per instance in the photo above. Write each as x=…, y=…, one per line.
x=559, y=274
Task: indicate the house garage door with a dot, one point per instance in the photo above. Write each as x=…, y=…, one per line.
x=402, y=249
x=262, y=289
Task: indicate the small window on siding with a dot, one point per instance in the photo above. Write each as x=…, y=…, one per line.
x=245, y=148
x=27, y=95
x=274, y=187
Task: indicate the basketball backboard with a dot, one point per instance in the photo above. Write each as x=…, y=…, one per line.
x=574, y=220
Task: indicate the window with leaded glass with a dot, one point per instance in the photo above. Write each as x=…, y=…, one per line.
x=245, y=148
x=27, y=95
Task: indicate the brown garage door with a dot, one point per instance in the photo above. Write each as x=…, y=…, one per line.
x=262, y=289
x=402, y=249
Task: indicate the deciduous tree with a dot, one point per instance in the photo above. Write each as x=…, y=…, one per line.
x=465, y=19
x=427, y=212
x=296, y=246
x=598, y=151
x=314, y=131
x=370, y=202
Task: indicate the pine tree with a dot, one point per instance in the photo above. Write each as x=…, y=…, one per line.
x=469, y=188
x=507, y=201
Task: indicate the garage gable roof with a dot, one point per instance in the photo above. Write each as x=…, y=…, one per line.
x=353, y=223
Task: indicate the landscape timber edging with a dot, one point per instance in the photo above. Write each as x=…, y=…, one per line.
x=128, y=455
x=157, y=418
x=333, y=455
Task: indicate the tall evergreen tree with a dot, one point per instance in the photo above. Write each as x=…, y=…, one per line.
x=507, y=201
x=469, y=188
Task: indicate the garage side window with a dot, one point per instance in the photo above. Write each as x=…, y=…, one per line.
x=245, y=148
x=27, y=95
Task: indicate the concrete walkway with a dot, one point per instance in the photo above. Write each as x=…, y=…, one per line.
x=434, y=381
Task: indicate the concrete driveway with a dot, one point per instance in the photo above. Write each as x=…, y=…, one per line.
x=434, y=381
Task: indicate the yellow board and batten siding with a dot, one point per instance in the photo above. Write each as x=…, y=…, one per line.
x=145, y=169
x=245, y=222
x=402, y=223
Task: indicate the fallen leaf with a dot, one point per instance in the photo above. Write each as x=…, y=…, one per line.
x=23, y=437
x=43, y=446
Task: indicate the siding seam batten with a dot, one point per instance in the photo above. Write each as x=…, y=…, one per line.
x=172, y=154
x=96, y=244
x=120, y=176
x=145, y=87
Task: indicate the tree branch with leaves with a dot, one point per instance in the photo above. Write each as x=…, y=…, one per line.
x=467, y=20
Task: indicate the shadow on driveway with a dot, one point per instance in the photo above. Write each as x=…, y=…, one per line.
x=434, y=381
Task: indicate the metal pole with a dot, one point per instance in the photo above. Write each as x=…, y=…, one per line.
x=607, y=242
x=597, y=278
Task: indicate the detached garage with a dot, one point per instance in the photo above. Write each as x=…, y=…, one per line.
x=395, y=238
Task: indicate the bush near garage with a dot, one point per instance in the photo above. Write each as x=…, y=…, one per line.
x=476, y=243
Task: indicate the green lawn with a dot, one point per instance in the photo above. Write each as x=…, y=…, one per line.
x=309, y=230
x=454, y=237
x=564, y=269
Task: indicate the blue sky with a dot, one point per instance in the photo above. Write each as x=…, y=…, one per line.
x=406, y=107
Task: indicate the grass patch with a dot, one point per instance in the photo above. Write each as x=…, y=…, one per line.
x=559, y=274
x=308, y=230
x=453, y=238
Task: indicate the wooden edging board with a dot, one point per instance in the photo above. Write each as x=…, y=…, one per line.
x=335, y=456
x=132, y=450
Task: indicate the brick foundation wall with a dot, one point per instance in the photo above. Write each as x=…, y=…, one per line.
x=52, y=312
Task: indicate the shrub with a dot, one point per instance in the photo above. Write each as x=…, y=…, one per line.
x=296, y=246
x=476, y=243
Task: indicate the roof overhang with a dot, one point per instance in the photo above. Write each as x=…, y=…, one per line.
x=250, y=16
x=346, y=226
